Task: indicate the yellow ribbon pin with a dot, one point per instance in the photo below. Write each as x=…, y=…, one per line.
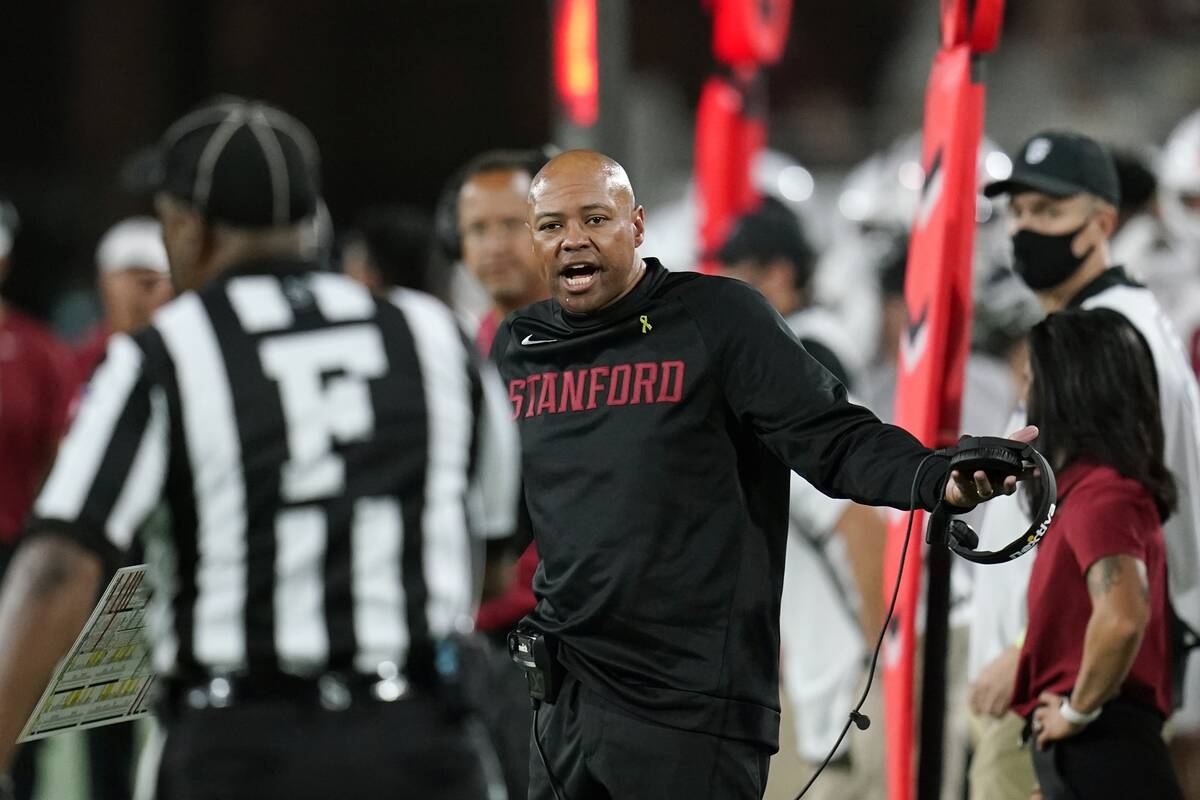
x=646, y=326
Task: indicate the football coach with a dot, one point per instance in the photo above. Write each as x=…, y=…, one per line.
x=660, y=414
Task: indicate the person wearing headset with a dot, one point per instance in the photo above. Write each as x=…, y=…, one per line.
x=1094, y=673
x=482, y=223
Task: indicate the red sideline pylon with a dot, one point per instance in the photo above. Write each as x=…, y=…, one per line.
x=933, y=352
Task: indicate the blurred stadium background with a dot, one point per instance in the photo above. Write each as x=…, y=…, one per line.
x=400, y=93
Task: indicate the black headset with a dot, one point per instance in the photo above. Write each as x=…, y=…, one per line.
x=999, y=458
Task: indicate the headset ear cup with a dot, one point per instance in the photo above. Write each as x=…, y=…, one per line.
x=445, y=222
x=964, y=542
x=1002, y=460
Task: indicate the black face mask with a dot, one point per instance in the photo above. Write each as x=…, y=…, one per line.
x=1045, y=261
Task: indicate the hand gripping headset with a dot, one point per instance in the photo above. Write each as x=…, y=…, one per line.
x=999, y=458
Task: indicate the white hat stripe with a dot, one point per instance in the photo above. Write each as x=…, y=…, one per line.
x=211, y=153
x=276, y=166
x=197, y=120
x=295, y=131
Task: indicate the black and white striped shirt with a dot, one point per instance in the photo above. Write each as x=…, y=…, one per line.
x=324, y=455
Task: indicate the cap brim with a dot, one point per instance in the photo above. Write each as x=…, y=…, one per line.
x=1032, y=181
x=1027, y=181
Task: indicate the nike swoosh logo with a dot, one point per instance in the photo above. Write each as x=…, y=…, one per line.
x=528, y=340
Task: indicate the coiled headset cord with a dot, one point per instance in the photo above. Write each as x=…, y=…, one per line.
x=857, y=718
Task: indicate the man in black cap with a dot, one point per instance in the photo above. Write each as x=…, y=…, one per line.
x=1063, y=198
x=324, y=453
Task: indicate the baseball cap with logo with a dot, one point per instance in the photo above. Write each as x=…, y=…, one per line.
x=240, y=162
x=1061, y=164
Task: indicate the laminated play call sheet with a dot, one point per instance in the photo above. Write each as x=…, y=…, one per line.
x=106, y=677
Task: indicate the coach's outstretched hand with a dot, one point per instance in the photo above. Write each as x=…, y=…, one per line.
x=968, y=491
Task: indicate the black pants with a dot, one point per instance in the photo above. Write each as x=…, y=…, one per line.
x=1119, y=756
x=24, y=770
x=110, y=764
x=596, y=752
x=268, y=750
x=506, y=714
x=110, y=761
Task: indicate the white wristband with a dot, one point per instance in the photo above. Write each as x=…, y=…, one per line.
x=1078, y=717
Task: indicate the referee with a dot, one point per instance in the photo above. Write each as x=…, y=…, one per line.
x=660, y=413
x=323, y=455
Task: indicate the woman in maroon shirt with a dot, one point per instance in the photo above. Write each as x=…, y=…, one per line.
x=1094, y=676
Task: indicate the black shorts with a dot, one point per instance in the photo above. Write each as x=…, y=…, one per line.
x=597, y=752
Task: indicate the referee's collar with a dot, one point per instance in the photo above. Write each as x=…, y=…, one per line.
x=268, y=266
x=1113, y=276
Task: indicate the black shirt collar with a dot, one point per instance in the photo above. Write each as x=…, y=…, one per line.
x=651, y=279
x=1113, y=276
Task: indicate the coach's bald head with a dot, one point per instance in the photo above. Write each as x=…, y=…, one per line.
x=576, y=167
x=586, y=228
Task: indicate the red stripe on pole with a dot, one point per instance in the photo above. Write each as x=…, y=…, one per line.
x=750, y=32
x=933, y=352
x=727, y=142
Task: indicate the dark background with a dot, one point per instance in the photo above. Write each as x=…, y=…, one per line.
x=398, y=93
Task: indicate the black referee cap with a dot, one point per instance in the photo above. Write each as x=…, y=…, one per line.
x=241, y=162
x=1061, y=164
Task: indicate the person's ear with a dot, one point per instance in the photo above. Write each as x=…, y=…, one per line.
x=779, y=274
x=1106, y=218
x=182, y=227
x=639, y=226
x=205, y=236
x=188, y=238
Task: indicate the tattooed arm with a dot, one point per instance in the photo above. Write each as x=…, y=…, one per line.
x=1120, y=612
x=1120, y=595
